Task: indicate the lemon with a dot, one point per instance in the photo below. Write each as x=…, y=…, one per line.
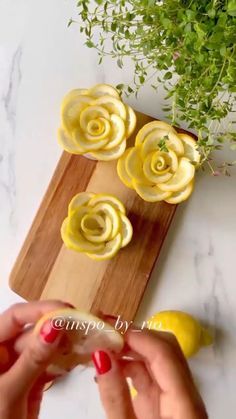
x=109, y=199
x=109, y=251
x=187, y=330
x=108, y=155
x=76, y=241
x=134, y=166
x=117, y=134
x=83, y=335
x=109, y=210
x=131, y=121
x=190, y=148
x=71, y=110
x=86, y=145
x=112, y=105
x=150, y=171
x=96, y=228
x=65, y=141
x=150, y=193
x=92, y=112
x=182, y=195
x=96, y=225
x=121, y=169
x=103, y=90
x=97, y=129
x=80, y=199
x=73, y=94
x=152, y=141
x=183, y=175
x=150, y=127
x=126, y=230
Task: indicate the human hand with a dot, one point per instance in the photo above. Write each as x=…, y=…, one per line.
x=160, y=374
x=23, y=375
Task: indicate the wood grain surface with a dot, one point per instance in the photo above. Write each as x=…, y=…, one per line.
x=45, y=268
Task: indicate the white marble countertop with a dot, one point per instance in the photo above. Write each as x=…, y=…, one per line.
x=40, y=60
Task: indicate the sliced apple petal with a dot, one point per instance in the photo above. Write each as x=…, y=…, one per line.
x=134, y=166
x=131, y=121
x=190, y=148
x=67, y=142
x=79, y=200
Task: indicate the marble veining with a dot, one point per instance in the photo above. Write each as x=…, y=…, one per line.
x=40, y=60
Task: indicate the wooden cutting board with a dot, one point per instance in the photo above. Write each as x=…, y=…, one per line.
x=46, y=269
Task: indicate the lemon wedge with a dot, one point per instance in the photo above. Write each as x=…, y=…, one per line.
x=112, y=105
x=109, y=199
x=183, y=175
x=79, y=200
x=190, y=148
x=126, y=230
x=130, y=121
x=117, y=134
x=103, y=90
x=108, y=155
x=83, y=334
x=110, y=250
x=150, y=193
x=181, y=195
x=150, y=127
x=121, y=170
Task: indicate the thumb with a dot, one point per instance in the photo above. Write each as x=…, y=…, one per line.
x=113, y=388
x=33, y=361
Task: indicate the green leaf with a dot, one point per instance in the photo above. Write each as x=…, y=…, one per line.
x=120, y=63
x=89, y=44
x=168, y=75
x=231, y=8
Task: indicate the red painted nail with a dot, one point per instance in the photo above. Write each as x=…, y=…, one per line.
x=48, y=333
x=110, y=316
x=102, y=362
x=68, y=304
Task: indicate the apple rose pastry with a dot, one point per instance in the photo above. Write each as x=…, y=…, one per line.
x=161, y=165
x=95, y=122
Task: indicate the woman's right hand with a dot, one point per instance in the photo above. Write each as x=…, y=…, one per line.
x=160, y=374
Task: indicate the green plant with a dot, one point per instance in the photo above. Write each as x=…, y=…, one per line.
x=187, y=46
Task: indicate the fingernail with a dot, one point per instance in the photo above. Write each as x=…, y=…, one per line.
x=110, y=316
x=102, y=362
x=68, y=304
x=48, y=333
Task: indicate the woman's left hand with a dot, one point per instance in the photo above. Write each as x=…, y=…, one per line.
x=23, y=375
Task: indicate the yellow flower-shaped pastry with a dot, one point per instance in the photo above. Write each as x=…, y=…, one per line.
x=96, y=225
x=96, y=122
x=161, y=165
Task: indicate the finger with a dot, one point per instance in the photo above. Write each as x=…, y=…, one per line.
x=13, y=320
x=146, y=404
x=137, y=371
x=32, y=362
x=114, y=390
x=167, y=364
